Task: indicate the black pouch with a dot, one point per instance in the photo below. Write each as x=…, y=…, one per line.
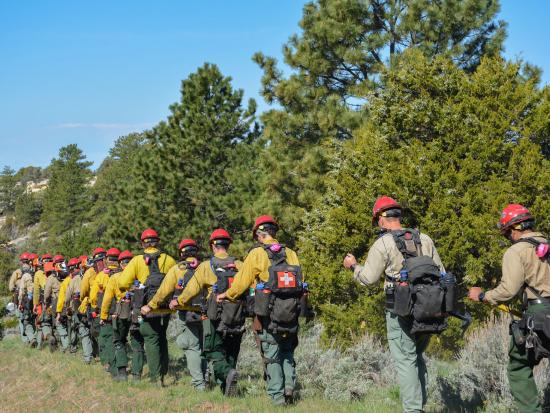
x=212, y=308
x=285, y=311
x=403, y=299
x=123, y=310
x=192, y=317
x=138, y=299
x=429, y=326
x=232, y=313
x=261, y=303
x=428, y=302
x=534, y=342
x=517, y=333
x=541, y=322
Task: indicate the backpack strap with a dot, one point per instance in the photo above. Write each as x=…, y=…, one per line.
x=276, y=258
x=408, y=242
x=531, y=241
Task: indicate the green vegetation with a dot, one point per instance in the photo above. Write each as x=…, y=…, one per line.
x=380, y=97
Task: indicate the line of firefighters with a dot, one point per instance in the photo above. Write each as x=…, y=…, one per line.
x=113, y=297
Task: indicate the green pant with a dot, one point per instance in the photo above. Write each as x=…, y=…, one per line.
x=73, y=332
x=278, y=354
x=85, y=337
x=153, y=330
x=520, y=371
x=190, y=342
x=19, y=315
x=61, y=329
x=106, y=348
x=221, y=351
x=406, y=350
x=27, y=318
x=121, y=328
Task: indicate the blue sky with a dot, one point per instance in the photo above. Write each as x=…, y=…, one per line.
x=88, y=72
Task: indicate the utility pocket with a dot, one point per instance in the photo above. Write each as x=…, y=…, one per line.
x=428, y=302
x=262, y=298
x=403, y=299
x=285, y=310
x=232, y=313
x=123, y=310
x=212, y=309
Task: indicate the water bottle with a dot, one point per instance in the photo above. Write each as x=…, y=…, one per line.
x=304, y=307
x=404, y=276
x=260, y=286
x=215, y=288
x=305, y=287
x=448, y=282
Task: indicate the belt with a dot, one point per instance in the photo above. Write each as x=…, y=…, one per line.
x=542, y=300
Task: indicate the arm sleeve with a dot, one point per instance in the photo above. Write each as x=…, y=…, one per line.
x=93, y=292
x=513, y=278
x=11, y=283
x=61, y=297
x=373, y=269
x=108, y=298
x=166, y=288
x=85, y=285
x=195, y=285
x=36, y=292
x=129, y=274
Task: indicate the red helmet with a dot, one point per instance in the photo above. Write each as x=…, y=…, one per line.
x=382, y=204
x=187, y=243
x=261, y=220
x=124, y=255
x=24, y=256
x=149, y=233
x=33, y=256
x=98, y=251
x=58, y=258
x=73, y=262
x=113, y=252
x=511, y=215
x=220, y=233
x=46, y=257
x=48, y=267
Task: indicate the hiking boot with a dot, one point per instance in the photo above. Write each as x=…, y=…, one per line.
x=73, y=349
x=33, y=343
x=52, y=343
x=231, y=383
x=122, y=374
x=289, y=396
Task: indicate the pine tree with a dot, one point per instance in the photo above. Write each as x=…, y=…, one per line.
x=186, y=180
x=10, y=191
x=67, y=197
x=336, y=60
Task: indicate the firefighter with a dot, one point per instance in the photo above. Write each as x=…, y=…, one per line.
x=40, y=279
x=385, y=258
x=221, y=343
x=14, y=285
x=525, y=269
x=146, y=272
x=189, y=339
x=25, y=299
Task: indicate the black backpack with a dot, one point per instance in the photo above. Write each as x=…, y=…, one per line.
x=143, y=295
x=229, y=314
x=423, y=296
x=281, y=297
x=198, y=302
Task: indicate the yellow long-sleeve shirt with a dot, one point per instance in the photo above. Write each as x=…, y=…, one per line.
x=62, y=291
x=86, y=282
x=111, y=291
x=255, y=267
x=99, y=284
x=204, y=278
x=39, y=285
x=137, y=269
x=169, y=284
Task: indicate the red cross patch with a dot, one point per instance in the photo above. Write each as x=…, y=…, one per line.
x=286, y=279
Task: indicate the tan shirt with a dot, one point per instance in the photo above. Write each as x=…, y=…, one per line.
x=385, y=258
x=51, y=290
x=72, y=289
x=26, y=285
x=15, y=280
x=520, y=265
